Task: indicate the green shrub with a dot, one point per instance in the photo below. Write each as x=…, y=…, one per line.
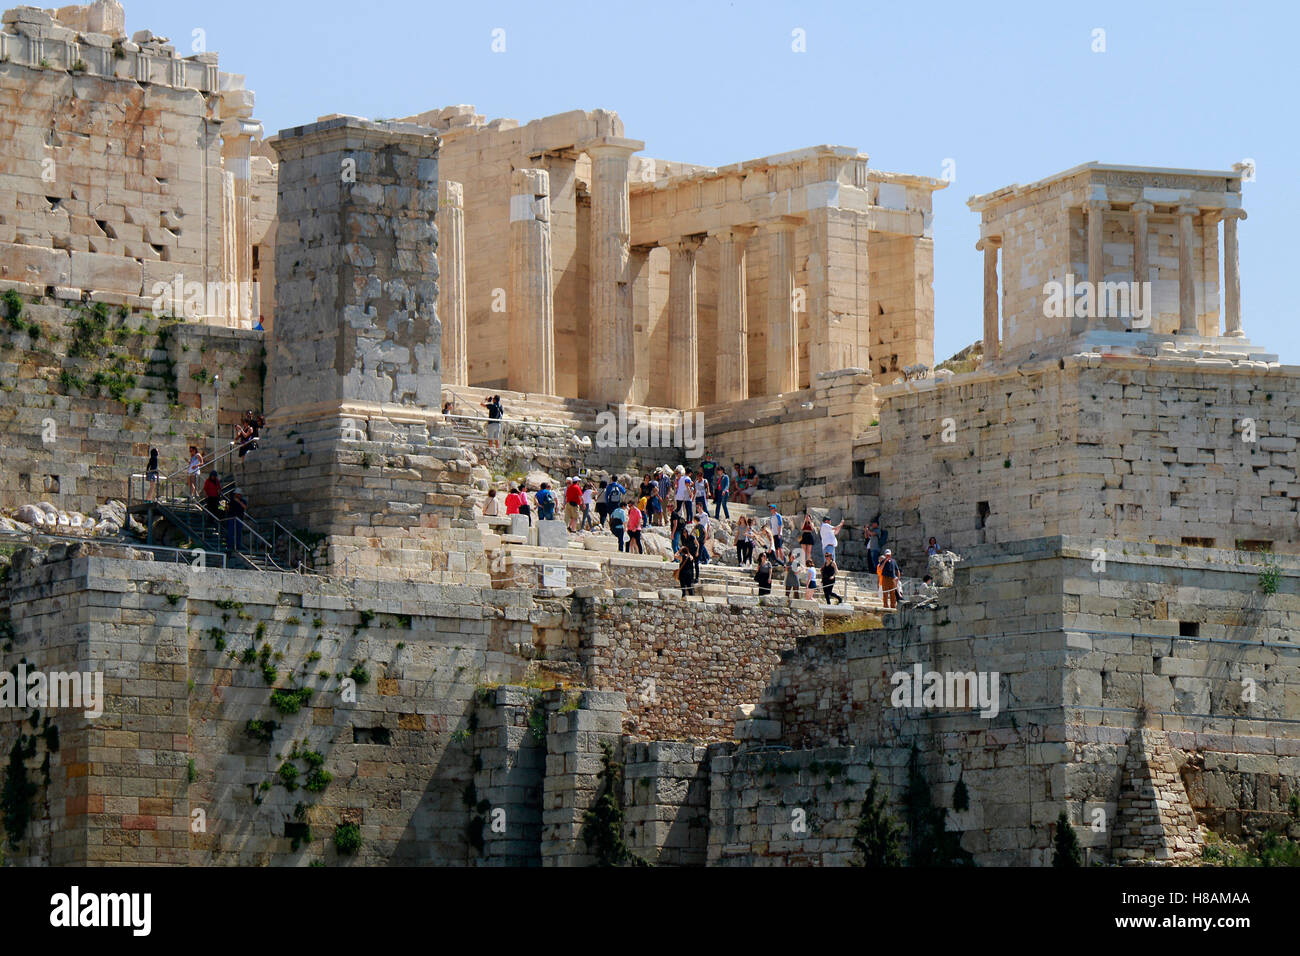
x=347, y=838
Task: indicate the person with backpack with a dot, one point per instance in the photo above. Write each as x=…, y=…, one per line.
x=545, y=502
x=572, y=503
x=495, y=413
x=212, y=497
x=618, y=524
x=793, y=571
x=889, y=576
x=702, y=533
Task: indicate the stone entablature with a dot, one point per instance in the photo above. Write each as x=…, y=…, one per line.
x=34, y=38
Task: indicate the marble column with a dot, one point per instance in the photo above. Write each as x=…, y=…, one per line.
x=782, y=319
x=531, y=349
x=732, y=382
x=1186, y=281
x=451, y=288
x=683, y=325
x=989, y=245
x=1231, y=274
x=1097, y=209
x=612, y=358
x=1142, y=241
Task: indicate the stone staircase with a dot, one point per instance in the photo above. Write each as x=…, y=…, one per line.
x=594, y=559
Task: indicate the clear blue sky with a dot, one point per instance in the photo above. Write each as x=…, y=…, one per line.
x=1010, y=91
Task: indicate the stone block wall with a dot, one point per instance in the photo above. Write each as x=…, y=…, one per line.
x=1115, y=447
x=684, y=667
x=175, y=735
x=164, y=372
x=111, y=157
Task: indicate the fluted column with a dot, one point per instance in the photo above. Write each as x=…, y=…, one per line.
x=733, y=316
x=782, y=320
x=451, y=286
x=1141, y=241
x=1231, y=274
x=1097, y=209
x=612, y=335
x=531, y=349
x=990, y=245
x=1186, y=285
x=683, y=325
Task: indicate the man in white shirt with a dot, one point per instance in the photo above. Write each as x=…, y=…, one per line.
x=775, y=524
x=829, y=541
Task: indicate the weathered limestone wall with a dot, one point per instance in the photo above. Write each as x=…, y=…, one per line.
x=356, y=272
x=1111, y=446
x=112, y=155
x=1114, y=684
x=168, y=399
x=172, y=643
x=684, y=667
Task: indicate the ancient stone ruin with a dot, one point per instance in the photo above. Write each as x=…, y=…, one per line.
x=379, y=664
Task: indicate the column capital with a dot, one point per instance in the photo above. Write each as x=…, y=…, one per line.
x=733, y=233
x=1227, y=214
x=988, y=242
x=1143, y=207
x=690, y=243
x=453, y=193
x=610, y=145
x=1188, y=210
x=782, y=224
x=1097, y=205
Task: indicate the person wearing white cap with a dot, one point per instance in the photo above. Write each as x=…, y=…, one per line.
x=889, y=579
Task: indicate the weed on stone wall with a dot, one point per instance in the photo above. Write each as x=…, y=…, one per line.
x=930, y=841
x=602, y=827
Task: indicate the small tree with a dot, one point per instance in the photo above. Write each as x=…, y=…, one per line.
x=602, y=826
x=1067, y=844
x=878, y=837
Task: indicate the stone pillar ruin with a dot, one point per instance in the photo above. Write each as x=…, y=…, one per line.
x=532, y=311
x=782, y=320
x=613, y=343
x=732, y=382
x=1231, y=274
x=990, y=245
x=683, y=325
x=356, y=329
x=1186, y=285
x=451, y=293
